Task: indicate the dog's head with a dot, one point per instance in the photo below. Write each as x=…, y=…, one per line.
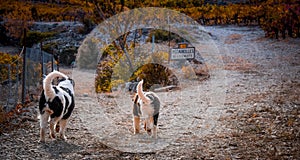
x=66, y=81
x=131, y=86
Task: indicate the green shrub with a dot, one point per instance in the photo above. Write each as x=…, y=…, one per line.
x=34, y=37
x=163, y=36
x=152, y=73
x=68, y=56
x=50, y=47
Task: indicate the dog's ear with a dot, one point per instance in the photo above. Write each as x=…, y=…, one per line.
x=61, y=79
x=72, y=81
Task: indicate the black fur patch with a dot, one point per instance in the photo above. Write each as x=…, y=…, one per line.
x=136, y=99
x=69, y=110
x=55, y=90
x=56, y=105
x=136, y=107
x=42, y=102
x=155, y=119
x=133, y=86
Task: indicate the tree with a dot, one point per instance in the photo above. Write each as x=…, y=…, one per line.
x=17, y=20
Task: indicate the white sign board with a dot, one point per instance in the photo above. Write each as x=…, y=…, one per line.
x=183, y=53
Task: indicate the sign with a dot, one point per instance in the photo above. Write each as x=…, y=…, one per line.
x=183, y=53
x=182, y=45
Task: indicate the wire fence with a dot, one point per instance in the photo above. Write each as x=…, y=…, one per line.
x=37, y=64
x=9, y=86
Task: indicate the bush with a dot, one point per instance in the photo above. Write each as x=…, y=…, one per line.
x=103, y=79
x=188, y=72
x=163, y=36
x=153, y=74
x=5, y=60
x=68, y=56
x=34, y=37
x=50, y=47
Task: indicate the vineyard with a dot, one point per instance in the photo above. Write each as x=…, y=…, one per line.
x=278, y=18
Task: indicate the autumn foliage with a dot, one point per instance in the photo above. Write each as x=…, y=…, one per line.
x=5, y=60
x=277, y=18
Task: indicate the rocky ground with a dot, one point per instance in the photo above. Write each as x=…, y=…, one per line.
x=248, y=109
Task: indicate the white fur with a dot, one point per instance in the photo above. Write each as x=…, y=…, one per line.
x=141, y=94
x=47, y=84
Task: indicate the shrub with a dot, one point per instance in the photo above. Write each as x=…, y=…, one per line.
x=68, y=55
x=163, y=36
x=153, y=73
x=34, y=37
x=5, y=60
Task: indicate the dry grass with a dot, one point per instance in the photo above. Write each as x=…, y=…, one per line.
x=237, y=63
x=270, y=130
x=233, y=38
x=2, y=115
x=3, y=119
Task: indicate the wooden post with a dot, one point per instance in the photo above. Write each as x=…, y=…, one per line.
x=57, y=63
x=24, y=68
x=169, y=38
x=42, y=61
x=52, y=63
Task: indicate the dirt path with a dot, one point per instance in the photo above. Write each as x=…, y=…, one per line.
x=248, y=109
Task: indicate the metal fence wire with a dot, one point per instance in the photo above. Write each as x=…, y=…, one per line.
x=38, y=63
x=9, y=85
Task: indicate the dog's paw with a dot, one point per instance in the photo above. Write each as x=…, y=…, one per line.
x=57, y=128
x=136, y=131
x=154, y=135
x=149, y=132
x=63, y=137
x=52, y=135
x=41, y=140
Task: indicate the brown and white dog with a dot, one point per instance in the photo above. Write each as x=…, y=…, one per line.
x=56, y=104
x=146, y=104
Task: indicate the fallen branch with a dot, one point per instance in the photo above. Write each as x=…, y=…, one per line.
x=164, y=88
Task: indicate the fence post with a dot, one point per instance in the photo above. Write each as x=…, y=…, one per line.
x=18, y=82
x=9, y=85
x=57, y=63
x=24, y=69
x=52, y=62
x=42, y=60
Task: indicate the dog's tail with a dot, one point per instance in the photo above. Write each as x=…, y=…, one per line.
x=47, y=84
x=141, y=93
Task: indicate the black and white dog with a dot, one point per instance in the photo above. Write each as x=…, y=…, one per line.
x=146, y=104
x=56, y=104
